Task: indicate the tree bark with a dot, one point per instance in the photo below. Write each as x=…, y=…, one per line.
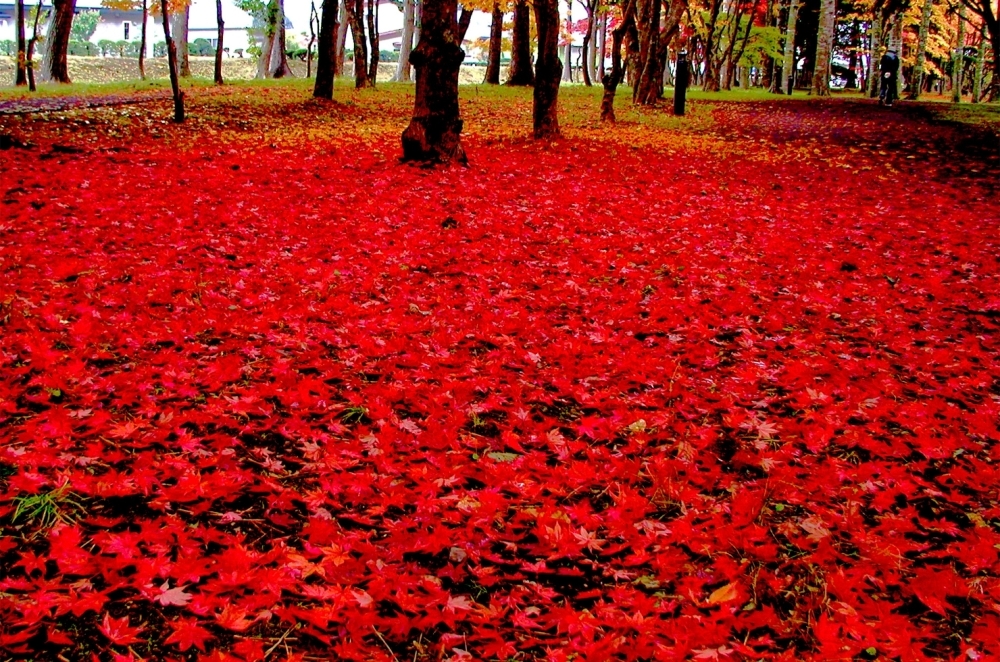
x=180, y=35
x=824, y=46
x=340, y=51
x=520, y=57
x=464, y=21
x=614, y=77
x=172, y=64
x=873, y=55
x=977, y=83
x=602, y=44
x=548, y=70
x=142, y=41
x=567, y=71
x=712, y=63
x=327, y=55
x=21, y=70
x=403, y=66
x=958, y=59
x=30, y=55
x=496, y=40
x=54, y=66
x=917, y=82
x=373, y=41
x=313, y=29
x=788, y=66
x=646, y=91
x=279, y=58
x=355, y=10
x=434, y=132
x=218, y=47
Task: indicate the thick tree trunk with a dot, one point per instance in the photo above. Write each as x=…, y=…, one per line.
x=788, y=66
x=180, y=35
x=958, y=58
x=520, y=59
x=646, y=91
x=355, y=10
x=172, y=64
x=548, y=70
x=496, y=41
x=218, y=47
x=54, y=66
x=142, y=41
x=824, y=46
x=614, y=77
x=279, y=58
x=434, y=133
x=341, y=49
x=21, y=68
x=373, y=41
x=327, y=55
x=403, y=66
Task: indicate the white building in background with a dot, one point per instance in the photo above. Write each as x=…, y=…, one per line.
x=116, y=25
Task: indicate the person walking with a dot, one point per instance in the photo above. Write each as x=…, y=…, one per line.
x=889, y=72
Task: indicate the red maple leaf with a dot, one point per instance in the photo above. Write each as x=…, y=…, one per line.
x=119, y=631
x=188, y=633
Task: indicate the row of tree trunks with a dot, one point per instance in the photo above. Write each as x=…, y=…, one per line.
x=326, y=61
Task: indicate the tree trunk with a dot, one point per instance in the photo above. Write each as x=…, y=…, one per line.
x=403, y=66
x=958, y=59
x=977, y=83
x=434, y=133
x=567, y=71
x=464, y=21
x=614, y=77
x=586, y=51
x=602, y=44
x=520, y=58
x=496, y=41
x=917, y=82
x=180, y=35
x=30, y=55
x=21, y=73
x=340, y=51
x=373, y=41
x=548, y=70
x=852, y=60
x=142, y=41
x=788, y=66
x=824, y=46
x=873, y=55
x=218, y=47
x=54, y=66
x=279, y=58
x=313, y=30
x=172, y=64
x=327, y=55
x=355, y=10
x=646, y=91
x=712, y=63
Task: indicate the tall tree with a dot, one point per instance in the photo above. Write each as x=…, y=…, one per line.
x=341, y=48
x=279, y=58
x=30, y=56
x=355, y=12
x=221, y=25
x=54, y=62
x=179, y=31
x=612, y=79
x=313, y=29
x=788, y=66
x=373, y=41
x=327, y=55
x=646, y=91
x=588, y=51
x=496, y=41
x=548, y=70
x=175, y=87
x=406, y=45
x=567, y=72
x=958, y=59
x=434, y=132
x=21, y=72
x=142, y=40
x=824, y=47
x=917, y=84
x=520, y=57
x=977, y=82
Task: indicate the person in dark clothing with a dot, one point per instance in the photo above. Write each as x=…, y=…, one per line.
x=889, y=72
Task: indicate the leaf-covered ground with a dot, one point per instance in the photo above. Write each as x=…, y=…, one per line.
x=719, y=388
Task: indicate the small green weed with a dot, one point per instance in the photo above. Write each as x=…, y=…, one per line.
x=48, y=508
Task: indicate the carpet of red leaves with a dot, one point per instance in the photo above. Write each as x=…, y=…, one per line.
x=720, y=389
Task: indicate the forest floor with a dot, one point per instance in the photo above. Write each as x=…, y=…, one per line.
x=717, y=387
